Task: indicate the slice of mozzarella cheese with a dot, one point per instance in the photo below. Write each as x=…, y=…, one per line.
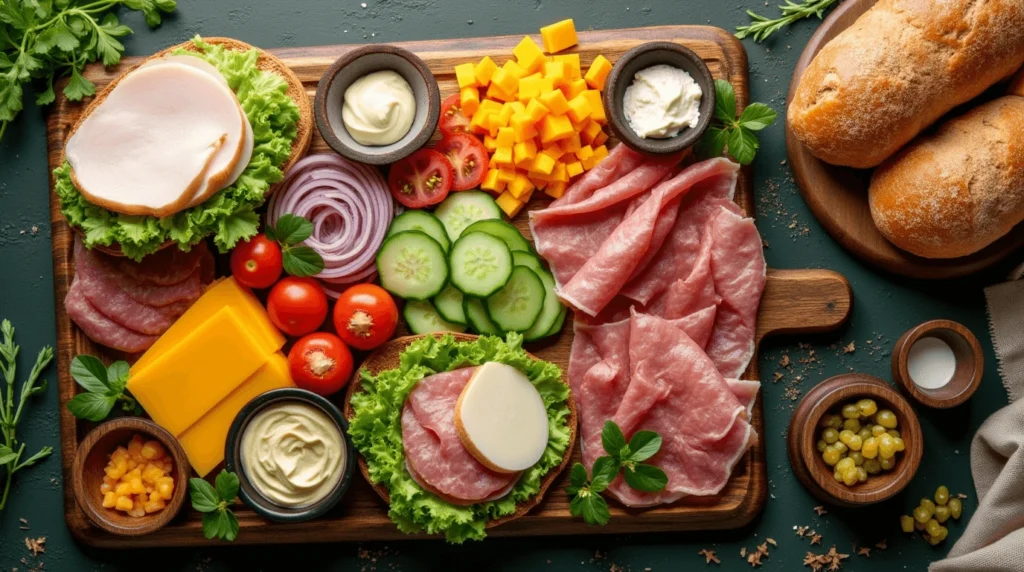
x=501, y=418
x=148, y=146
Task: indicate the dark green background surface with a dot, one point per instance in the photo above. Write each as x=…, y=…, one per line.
x=884, y=307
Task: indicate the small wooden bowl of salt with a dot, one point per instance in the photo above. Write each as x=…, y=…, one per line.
x=938, y=363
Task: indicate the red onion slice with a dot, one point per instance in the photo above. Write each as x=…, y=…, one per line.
x=350, y=207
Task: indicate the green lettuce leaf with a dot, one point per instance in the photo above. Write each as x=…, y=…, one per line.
x=229, y=215
x=376, y=431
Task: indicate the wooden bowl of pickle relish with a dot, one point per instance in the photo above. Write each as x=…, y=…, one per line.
x=854, y=440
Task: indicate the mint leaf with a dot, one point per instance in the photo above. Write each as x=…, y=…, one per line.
x=204, y=497
x=604, y=472
x=91, y=406
x=229, y=526
x=612, y=439
x=757, y=116
x=211, y=524
x=577, y=478
x=117, y=375
x=78, y=87
x=742, y=145
x=592, y=508
x=90, y=373
x=227, y=485
x=646, y=478
x=292, y=229
x=301, y=261
x=725, y=101
x=644, y=445
x=712, y=143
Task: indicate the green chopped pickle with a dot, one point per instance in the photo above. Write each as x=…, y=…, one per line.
x=230, y=215
x=376, y=431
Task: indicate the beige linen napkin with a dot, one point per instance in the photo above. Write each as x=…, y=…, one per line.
x=994, y=539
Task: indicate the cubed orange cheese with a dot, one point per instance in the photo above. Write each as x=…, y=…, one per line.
x=559, y=173
x=495, y=92
x=574, y=88
x=524, y=151
x=585, y=153
x=465, y=74
x=536, y=110
x=522, y=127
x=469, y=98
x=502, y=156
x=600, y=152
x=528, y=54
x=514, y=69
x=506, y=113
x=600, y=139
x=590, y=131
x=506, y=174
x=598, y=72
x=520, y=186
x=505, y=137
x=555, y=127
x=509, y=204
x=489, y=143
x=596, y=107
x=571, y=144
x=555, y=102
x=529, y=87
x=559, y=36
x=518, y=107
x=204, y=440
x=479, y=121
x=538, y=183
x=484, y=70
x=555, y=189
x=543, y=164
x=579, y=109
x=491, y=182
x=494, y=124
x=574, y=168
x=555, y=71
x=572, y=65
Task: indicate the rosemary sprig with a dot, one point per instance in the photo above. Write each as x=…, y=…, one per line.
x=761, y=27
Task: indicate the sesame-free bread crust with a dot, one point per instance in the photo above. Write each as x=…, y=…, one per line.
x=897, y=69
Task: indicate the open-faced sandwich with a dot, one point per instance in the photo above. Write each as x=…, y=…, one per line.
x=458, y=433
x=184, y=146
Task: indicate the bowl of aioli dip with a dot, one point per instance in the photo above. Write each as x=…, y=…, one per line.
x=291, y=451
x=377, y=104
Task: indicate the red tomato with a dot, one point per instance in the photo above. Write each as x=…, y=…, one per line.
x=421, y=179
x=365, y=316
x=256, y=263
x=320, y=363
x=468, y=158
x=297, y=306
x=453, y=120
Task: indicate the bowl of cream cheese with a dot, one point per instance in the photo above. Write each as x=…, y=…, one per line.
x=659, y=97
x=291, y=451
x=377, y=104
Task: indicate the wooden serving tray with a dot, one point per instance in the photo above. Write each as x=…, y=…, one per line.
x=794, y=301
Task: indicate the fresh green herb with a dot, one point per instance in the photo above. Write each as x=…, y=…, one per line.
x=585, y=494
x=215, y=504
x=10, y=450
x=104, y=387
x=762, y=27
x=50, y=39
x=292, y=230
x=734, y=133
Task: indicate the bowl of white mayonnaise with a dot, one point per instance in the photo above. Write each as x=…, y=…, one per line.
x=291, y=451
x=659, y=98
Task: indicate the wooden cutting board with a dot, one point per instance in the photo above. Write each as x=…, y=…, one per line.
x=794, y=301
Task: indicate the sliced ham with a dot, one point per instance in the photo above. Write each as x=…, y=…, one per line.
x=620, y=160
x=453, y=500
x=101, y=329
x=432, y=446
x=746, y=391
x=693, y=293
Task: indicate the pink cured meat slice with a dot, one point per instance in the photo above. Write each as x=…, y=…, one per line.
x=101, y=329
x=620, y=161
x=186, y=291
x=683, y=242
x=738, y=266
x=598, y=376
x=432, y=445
x=693, y=293
x=167, y=266
x=452, y=500
x=746, y=391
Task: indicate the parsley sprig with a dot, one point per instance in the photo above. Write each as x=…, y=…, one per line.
x=585, y=494
x=50, y=39
x=104, y=387
x=215, y=504
x=761, y=27
x=297, y=259
x=737, y=134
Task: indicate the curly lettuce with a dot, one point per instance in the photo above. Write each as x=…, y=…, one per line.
x=376, y=431
x=230, y=215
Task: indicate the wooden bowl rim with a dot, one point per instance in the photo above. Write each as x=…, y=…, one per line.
x=522, y=508
x=901, y=372
x=150, y=522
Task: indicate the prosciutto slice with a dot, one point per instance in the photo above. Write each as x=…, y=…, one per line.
x=433, y=450
x=620, y=160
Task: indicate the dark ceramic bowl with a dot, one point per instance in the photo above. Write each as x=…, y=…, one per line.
x=249, y=493
x=641, y=58
x=330, y=96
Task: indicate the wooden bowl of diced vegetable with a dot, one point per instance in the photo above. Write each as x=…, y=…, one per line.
x=854, y=440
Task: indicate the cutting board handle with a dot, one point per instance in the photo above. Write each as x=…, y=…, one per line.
x=803, y=301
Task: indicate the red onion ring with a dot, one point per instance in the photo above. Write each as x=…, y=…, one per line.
x=350, y=208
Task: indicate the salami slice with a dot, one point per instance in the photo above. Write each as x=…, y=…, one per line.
x=101, y=329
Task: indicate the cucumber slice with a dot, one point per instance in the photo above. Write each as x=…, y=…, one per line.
x=423, y=318
x=422, y=221
x=412, y=265
x=559, y=321
x=480, y=264
x=550, y=312
x=463, y=208
x=449, y=304
x=529, y=260
x=476, y=316
x=518, y=304
x=503, y=230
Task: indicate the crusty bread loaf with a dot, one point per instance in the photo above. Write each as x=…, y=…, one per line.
x=956, y=191
x=897, y=69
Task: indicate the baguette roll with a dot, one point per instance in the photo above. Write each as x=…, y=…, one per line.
x=900, y=67
x=956, y=191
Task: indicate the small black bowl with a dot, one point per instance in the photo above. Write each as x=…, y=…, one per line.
x=249, y=493
x=330, y=96
x=621, y=77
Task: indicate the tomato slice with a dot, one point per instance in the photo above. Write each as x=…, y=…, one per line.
x=421, y=179
x=452, y=119
x=468, y=158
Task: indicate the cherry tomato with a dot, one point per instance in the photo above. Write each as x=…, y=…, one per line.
x=297, y=306
x=365, y=316
x=453, y=120
x=421, y=179
x=468, y=158
x=256, y=263
x=321, y=363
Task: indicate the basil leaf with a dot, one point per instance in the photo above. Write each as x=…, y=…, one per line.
x=612, y=439
x=292, y=229
x=757, y=116
x=712, y=143
x=204, y=497
x=90, y=373
x=578, y=476
x=229, y=525
x=302, y=261
x=227, y=485
x=592, y=508
x=6, y=455
x=117, y=375
x=646, y=478
x=644, y=445
x=604, y=472
x=742, y=145
x=725, y=102
x=211, y=525
x=91, y=406
x=268, y=231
